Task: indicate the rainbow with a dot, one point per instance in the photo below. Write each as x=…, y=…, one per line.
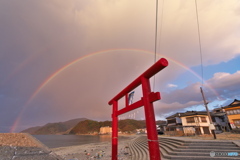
x=65, y=67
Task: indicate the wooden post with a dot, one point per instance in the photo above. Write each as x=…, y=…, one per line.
x=208, y=113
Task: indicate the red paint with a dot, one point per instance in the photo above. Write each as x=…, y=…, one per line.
x=158, y=66
x=114, y=130
x=153, y=145
x=146, y=101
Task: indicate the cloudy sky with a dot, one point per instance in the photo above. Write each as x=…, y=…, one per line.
x=61, y=59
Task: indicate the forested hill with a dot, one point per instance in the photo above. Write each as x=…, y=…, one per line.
x=86, y=126
x=91, y=127
x=54, y=128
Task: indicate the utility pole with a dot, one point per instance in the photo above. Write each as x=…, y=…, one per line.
x=209, y=116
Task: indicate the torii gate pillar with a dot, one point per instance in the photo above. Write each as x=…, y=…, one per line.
x=153, y=144
x=146, y=101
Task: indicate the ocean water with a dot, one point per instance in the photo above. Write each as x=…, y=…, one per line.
x=54, y=141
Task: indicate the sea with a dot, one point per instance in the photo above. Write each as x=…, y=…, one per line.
x=55, y=141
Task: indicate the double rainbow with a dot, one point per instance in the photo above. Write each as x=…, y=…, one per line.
x=65, y=67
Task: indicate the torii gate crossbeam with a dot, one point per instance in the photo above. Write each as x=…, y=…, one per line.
x=146, y=101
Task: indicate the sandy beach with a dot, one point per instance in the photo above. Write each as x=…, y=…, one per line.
x=100, y=150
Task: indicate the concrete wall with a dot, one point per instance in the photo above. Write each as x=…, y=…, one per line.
x=197, y=123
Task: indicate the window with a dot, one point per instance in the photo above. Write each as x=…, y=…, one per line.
x=229, y=112
x=236, y=122
x=235, y=111
x=238, y=111
x=190, y=120
x=222, y=118
x=203, y=119
x=213, y=119
x=171, y=121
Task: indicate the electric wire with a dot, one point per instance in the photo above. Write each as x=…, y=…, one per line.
x=199, y=41
x=155, y=46
x=156, y=32
x=200, y=50
x=161, y=23
x=156, y=36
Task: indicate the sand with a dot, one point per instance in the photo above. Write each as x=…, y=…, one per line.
x=17, y=139
x=100, y=150
x=23, y=146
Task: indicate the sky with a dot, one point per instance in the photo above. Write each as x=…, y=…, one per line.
x=61, y=60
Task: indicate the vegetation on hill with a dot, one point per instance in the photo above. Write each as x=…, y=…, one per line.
x=91, y=127
x=51, y=128
x=54, y=128
x=85, y=126
x=31, y=130
x=130, y=125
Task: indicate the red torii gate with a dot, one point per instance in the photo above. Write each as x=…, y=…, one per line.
x=146, y=101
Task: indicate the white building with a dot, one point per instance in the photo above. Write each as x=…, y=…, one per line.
x=105, y=130
x=195, y=122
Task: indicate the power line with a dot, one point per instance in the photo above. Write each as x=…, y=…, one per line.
x=156, y=28
x=155, y=46
x=160, y=33
x=199, y=40
x=156, y=35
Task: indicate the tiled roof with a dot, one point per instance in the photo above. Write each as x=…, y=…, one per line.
x=188, y=113
x=174, y=115
x=235, y=103
x=218, y=114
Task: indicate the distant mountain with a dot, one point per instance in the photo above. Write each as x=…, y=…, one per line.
x=31, y=130
x=54, y=128
x=91, y=127
x=73, y=122
x=130, y=125
x=86, y=126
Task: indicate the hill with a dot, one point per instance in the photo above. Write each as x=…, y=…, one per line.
x=86, y=126
x=93, y=127
x=31, y=130
x=130, y=125
x=54, y=128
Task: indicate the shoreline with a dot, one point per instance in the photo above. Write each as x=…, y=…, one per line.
x=100, y=150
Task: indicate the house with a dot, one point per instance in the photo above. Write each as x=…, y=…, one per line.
x=141, y=130
x=220, y=120
x=233, y=113
x=174, y=122
x=161, y=125
x=195, y=122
